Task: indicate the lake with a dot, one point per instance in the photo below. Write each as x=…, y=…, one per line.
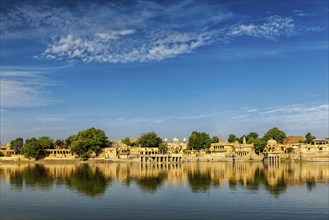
x=222, y=190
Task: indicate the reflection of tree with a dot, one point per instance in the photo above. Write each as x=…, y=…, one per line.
x=278, y=188
x=17, y=180
x=126, y=175
x=199, y=182
x=310, y=183
x=259, y=178
x=151, y=184
x=88, y=181
x=32, y=176
x=232, y=182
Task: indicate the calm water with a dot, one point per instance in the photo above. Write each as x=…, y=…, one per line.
x=182, y=191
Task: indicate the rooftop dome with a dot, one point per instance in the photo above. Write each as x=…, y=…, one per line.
x=165, y=140
x=184, y=140
x=175, y=140
x=272, y=142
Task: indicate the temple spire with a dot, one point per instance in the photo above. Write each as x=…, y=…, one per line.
x=244, y=140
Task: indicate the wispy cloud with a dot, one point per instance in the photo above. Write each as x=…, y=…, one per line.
x=53, y=118
x=196, y=116
x=107, y=47
x=301, y=13
x=271, y=28
x=295, y=119
x=24, y=88
x=144, y=31
x=137, y=121
x=293, y=109
x=113, y=32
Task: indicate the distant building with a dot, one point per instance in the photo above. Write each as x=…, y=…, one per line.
x=293, y=140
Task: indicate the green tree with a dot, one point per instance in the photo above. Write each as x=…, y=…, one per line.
x=89, y=141
x=276, y=134
x=69, y=140
x=149, y=139
x=259, y=144
x=17, y=144
x=309, y=137
x=289, y=149
x=199, y=140
x=253, y=135
x=46, y=142
x=214, y=139
x=163, y=148
x=127, y=141
x=32, y=148
x=250, y=138
x=60, y=143
x=232, y=138
x=241, y=138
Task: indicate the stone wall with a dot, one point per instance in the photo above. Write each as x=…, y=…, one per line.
x=293, y=139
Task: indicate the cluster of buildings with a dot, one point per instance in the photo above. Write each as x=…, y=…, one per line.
x=176, y=151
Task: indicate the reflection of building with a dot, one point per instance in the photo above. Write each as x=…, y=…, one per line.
x=250, y=175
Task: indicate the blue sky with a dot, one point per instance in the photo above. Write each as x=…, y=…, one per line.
x=172, y=67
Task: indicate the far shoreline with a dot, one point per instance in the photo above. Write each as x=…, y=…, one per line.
x=15, y=160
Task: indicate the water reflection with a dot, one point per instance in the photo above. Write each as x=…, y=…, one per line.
x=92, y=180
x=88, y=180
x=34, y=176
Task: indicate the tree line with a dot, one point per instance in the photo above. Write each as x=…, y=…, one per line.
x=90, y=142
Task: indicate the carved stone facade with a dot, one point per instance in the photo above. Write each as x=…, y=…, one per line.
x=175, y=146
x=234, y=150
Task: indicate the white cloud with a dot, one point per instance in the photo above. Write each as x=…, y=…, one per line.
x=144, y=31
x=252, y=110
x=21, y=88
x=113, y=35
x=138, y=121
x=113, y=32
x=53, y=118
x=294, y=119
x=196, y=116
x=296, y=109
x=300, y=13
x=118, y=47
x=271, y=28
